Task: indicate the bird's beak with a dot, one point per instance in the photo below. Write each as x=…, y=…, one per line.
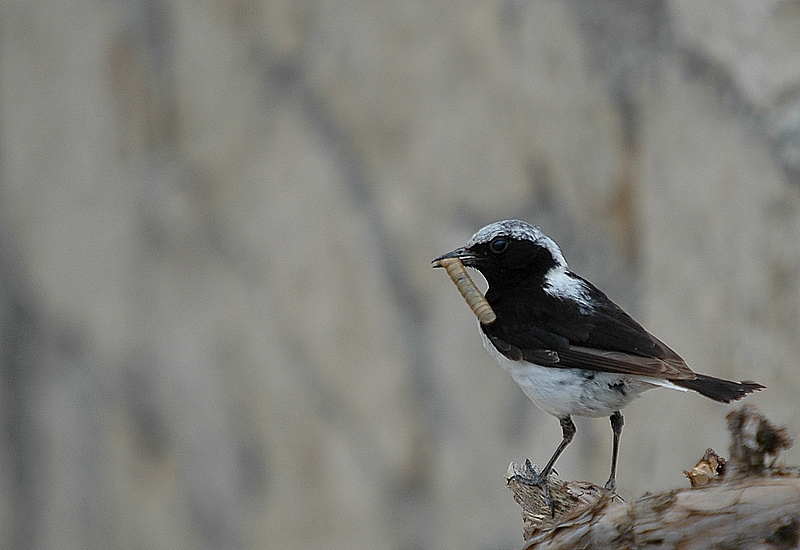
x=467, y=257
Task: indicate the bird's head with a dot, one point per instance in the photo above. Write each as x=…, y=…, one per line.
x=509, y=252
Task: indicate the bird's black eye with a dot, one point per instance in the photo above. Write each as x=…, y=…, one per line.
x=498, y=244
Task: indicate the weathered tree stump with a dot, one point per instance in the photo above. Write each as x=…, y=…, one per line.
x=746, y=502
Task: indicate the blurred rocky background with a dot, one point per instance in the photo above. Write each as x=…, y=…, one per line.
x=219, y=324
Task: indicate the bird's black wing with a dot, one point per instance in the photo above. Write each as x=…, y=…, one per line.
x=562, y=333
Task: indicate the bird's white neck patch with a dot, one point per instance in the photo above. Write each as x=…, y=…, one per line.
x=560, y=283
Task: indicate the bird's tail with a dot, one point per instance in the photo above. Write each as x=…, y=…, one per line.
x=718, y=389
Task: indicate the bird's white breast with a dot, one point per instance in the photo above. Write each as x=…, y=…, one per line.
x=563, y=392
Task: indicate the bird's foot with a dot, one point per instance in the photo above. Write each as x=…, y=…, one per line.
x=538, y=479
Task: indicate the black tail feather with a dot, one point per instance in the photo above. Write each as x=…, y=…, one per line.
x=718, y=389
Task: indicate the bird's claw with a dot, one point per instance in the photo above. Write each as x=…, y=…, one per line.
x=538, y=479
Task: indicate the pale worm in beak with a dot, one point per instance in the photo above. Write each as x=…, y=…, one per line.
x=476, y=301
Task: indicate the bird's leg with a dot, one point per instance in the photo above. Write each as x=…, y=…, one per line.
x=616, y=427
x=541, y=479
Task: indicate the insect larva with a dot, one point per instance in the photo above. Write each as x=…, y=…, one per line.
x=476, y=301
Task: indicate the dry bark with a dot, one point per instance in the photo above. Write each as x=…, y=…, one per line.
x=744, y=503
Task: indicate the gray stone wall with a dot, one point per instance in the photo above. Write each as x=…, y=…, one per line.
x=219, y=324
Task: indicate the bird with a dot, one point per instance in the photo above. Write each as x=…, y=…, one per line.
x=569, y=347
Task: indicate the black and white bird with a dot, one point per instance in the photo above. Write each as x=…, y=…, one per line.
x=565, y=343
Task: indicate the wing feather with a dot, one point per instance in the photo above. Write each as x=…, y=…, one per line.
x=624, y=363
x=560, y=335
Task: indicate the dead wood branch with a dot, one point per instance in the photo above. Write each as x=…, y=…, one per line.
x=744, y=503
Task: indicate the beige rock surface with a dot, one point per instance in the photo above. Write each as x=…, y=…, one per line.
x=219, y=324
